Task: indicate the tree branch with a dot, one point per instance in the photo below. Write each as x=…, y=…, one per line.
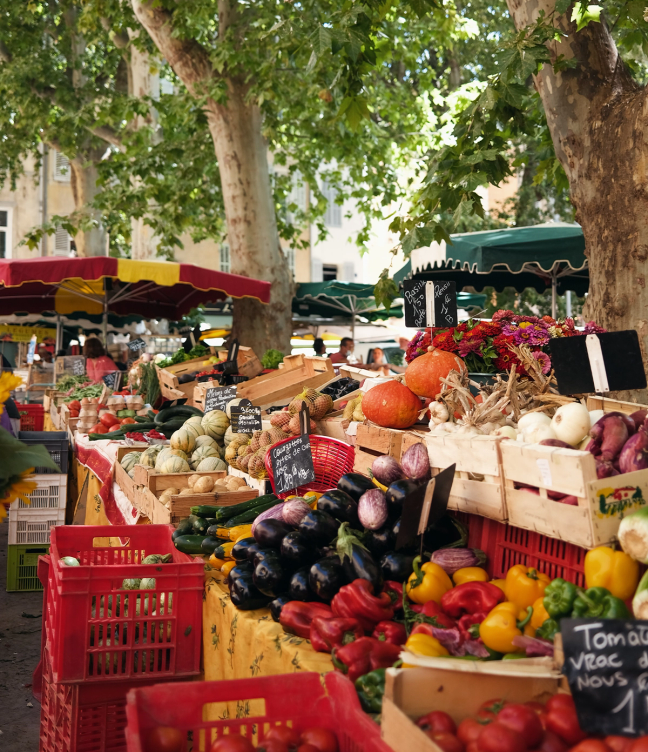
x=5, y=55
x=119, y=39
x=188, y=58
x=108, y=134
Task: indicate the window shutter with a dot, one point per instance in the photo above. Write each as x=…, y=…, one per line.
x=61, y=242
x=317, y=270
x=225, y=264
x=61, y=168
x=348, y=271
x=333, y=214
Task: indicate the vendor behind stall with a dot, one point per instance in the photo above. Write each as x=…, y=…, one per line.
x=98, y=364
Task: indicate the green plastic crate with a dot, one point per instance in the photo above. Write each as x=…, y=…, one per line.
x=22, y=568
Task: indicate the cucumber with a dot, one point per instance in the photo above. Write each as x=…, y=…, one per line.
x=184, y=527
x=189, y=544
x=209, y=546
x=184, y=411
x=250, y=515
x=224, y=513
x=200, y=526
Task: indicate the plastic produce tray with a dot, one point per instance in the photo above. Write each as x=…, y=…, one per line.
x=56, y=443
x=32, y=417
x=22, y=568
x=32, y=527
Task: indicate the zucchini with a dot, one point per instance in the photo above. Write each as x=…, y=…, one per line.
x=224, y=550
x=184, y=527
x=179, y=411
x=209, y=546
x=224, y=513
x=218, y=531
x=251, y=514
x=200, y=526
x=189, y=544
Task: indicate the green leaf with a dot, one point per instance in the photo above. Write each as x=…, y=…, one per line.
x=18, y=457
x=386, y=290
x=585, y=14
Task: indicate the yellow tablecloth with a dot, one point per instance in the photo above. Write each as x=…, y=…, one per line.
x=241, y=644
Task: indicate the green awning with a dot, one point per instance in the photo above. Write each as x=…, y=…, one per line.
x=334, y=298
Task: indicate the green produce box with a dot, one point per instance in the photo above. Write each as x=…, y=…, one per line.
x=22, y=567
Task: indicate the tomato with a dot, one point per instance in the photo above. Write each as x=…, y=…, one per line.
x=447, y=742
x=496, y=737
x=560, y=701
x=74, y=413
x=274, y=745
x=524, y=720
x=128, y=421
x=98, y=428
x=284, y=734
x=437, y=722
x=489, y=709
x=322, y=738
x=591, y=745
x=164, y=739
x=74, y=405
x=618, y=743
x=469, y=730
x=551, y=743
x=638, y=745
x=562, y=720
x=472, y=747
x=108, y=419
x=232, y=743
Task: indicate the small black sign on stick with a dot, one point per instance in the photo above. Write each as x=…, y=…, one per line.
x=424, y=507
x=245, y=417
x=217, y=397
x=606, y=664
x=430, y=303
x=137, y=344
x=598, y=363
x=292, y=460
x=112, y=380
x=172, y=403
x=230, y=366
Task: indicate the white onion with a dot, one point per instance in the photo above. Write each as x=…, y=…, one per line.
x=507, y=432
x=529, y=418
x=537, y=432
x=571, y=423
x=595, y=415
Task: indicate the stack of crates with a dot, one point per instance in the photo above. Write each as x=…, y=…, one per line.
x=29, y=524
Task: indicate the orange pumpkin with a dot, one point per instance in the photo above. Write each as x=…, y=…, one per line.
x=391, y=405
x=423, y=374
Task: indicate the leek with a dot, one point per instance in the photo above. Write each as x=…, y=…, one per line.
x=640, y=600
x=633, y=535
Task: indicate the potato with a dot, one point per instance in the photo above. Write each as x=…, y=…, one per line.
x=187, y=492
x=235, y=481
x=192, y=480
x=221, y=482
x=204, y=484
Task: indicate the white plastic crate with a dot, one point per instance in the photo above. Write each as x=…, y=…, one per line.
x=27, y=527
x=50, y=493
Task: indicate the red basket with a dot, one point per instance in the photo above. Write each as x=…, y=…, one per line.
x=297, y=700
x=331, y=459
x=31, y=417
x=83, y=717
x=99, y=631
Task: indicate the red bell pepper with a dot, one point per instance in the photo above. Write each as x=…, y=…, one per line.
x=469, y=625
x=364, y=655
x=356, y=601
x=329, y=633
x=390, y=631
x=395, y=591
x=471, y=598
x=296, y=616
x=432, y=613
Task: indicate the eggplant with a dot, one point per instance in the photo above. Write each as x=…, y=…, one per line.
x=269, y=576
x=239, y=550
x=396, y=495
x=355, y=484
x=277, y=604
x=298, y=587
x=270, y=533
x=264, y=553
x=296, y=549
x=245, y=596
x=381, y=541
x=326, y=577
x=357, y=561
x=318, y=527
x=396, y=566
x=252, y=551
x=242, y=569
x=447, y=532
x=339, y=505
x=372, y=509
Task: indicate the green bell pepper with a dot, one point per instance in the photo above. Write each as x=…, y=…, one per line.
x=599, y=603
x=559, y=597
x=370, y=689
x=548, y=629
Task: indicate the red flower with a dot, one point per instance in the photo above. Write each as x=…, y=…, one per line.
x=489, y=328
x=503, y=315
x=463, y=327
x=501, y=342
x=445, y=341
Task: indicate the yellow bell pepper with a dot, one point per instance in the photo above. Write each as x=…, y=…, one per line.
x=501, y=625
x=216, y=563
x=613, y=570
x=227, y=567
x=538, y=617
x=427, y=583
x=524, y=585
x=423, y=644
x=470, y=574
x=501, y=584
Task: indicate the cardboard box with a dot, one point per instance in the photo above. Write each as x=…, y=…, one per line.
x=413, y=692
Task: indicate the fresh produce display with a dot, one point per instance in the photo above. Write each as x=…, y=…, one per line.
x=198, y=351
x=392, y=405
x=271, y=359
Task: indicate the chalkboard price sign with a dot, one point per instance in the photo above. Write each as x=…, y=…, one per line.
x=111, y=380
x=78, y=365
x=430, y=303
x=606, y=664
x=292, y=464
x=415, y=297
x=69, y=365
x=217, y=397
x=445, y=304
x=137, y=344
x=246, y=418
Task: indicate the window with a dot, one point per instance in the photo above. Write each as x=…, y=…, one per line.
x=298, y=191
x=290, y=256
x=333, y=214
x=61, y=167
x=62, y=244
x=329, y=272
x=225, y=264
x=5, y=233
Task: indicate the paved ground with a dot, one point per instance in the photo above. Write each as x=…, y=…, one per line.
x=20, y=635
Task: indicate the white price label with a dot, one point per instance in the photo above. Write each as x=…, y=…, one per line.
x=545, y=471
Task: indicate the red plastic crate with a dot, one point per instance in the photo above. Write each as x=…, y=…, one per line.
x=83, y=717
x=506, y=545
x=31, y=417
x=296, y=700
x=331, y=460
x=99, y=631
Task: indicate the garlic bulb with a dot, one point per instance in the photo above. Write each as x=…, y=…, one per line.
x=529, y=418
x=507, y=432
x=571, y=423
x=438, y=413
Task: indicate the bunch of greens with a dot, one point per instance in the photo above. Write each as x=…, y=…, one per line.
x=70, y=382
x=94, y=390
x=272, y=358
x=149, y=386
x=198, y=351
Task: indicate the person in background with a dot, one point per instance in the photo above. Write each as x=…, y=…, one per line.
x=319, y=347
x=346, y=349
x=378, y=361
x=122, y=360
x=98, y=364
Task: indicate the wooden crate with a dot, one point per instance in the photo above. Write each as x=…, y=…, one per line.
x=248, y=363
x=602, y=504
x=478, y=486
x=55, y=415
x=611, y=405
x=171, y=388
x=263, y=485
x=127, y=484
x=65, y=421
x=298, y=372
x=413, y=692
x=158, y=482
x=180, y=505
x=200, y=391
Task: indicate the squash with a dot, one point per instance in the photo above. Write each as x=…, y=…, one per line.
x=173, y=464
x=206, y=441
x=215, y=423
x=183, y=440
x=211, y=464
x=129, y=461
x=230, y=405
x=202, y=453
x=150, y=455
x=391, y=405
x=167, y=453
x=423, y=374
